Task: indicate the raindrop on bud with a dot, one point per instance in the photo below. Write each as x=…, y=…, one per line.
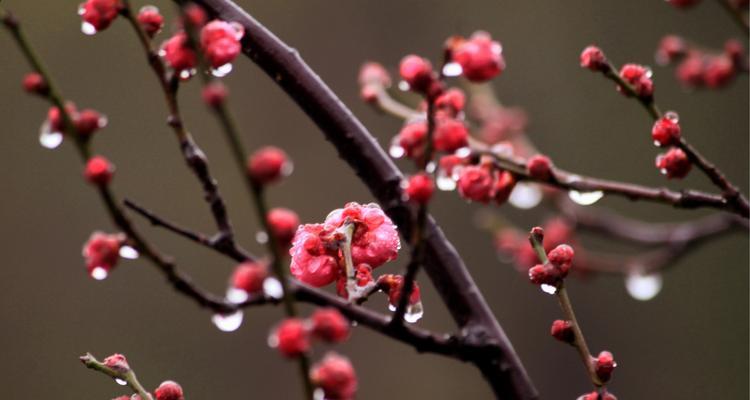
x=549, y=289
x=99, y=273
x=272, y=288
x=452, y=69
x=121, y=382
x=88, y=29
x=222, y=71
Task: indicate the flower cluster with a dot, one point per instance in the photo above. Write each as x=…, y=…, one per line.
x=167, y=390
x=696, y=67
x=667, y=132
x=318, y=253
x=292, y=337
x=219, y=43
x=513, y=245
x=98, y=15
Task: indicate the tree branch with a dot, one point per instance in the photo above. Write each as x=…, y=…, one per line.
x=357, y=147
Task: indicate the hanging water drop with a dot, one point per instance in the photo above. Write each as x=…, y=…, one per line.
x=463, y=152
x=452, y=69
x=642, y=286
x=430, y=167
x=222, y=71
x=396, y=151
x=585, y=198
x=47, y=138
x=414, y=312
x=272, y=288
x=319, y=394
x=549, y=289
x=236, y=296
x=287, y=168
x=649, y=72
x=128, y=252
x=121, y=382
x=261, y=237
x=672, y=116
x=391, y=307
x=88, y=29
x=273, y=340
x=525, y=196
x=99, y=273
x=445, y=182
x=185, y=74
x=228, y=322
x=403, y=86
x=81, y=9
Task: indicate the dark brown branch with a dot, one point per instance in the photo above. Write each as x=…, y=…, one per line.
x=736, y=15
x=736, y=202
x=357, y=147
x=646, y=233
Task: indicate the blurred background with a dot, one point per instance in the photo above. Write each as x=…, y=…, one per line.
x=690, y=341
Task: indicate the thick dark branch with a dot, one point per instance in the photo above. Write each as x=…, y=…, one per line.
x=358, y=148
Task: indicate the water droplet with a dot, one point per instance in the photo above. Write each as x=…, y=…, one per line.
x=50, y=140
x=261, y=237
x=121, y=382
x=391, y=307
x=549, y=289
x=656, y=143
x=222, y=71
x=238, y=29
x=228, y=322
x=273, y=340
x=99, y=273
x=319, y=394
x=236, y=296
x=525, y=196
x=430, y=167
x=162, y=52
x=452, y=69
x=445, y=182
x=287, y=168
x=414, y=312
x=102, y=121
x=663, y=171
x=128, y=252
x=502, y=149
x=649, y=72
x=396, y=151
x=81, y=9
x=643, y=287
x=272, y=288
x=88, y=29
x=463, y=152
x=403, y=86
x=585, y=198
x=185, y=74
x=150, y=8
x=672, y=116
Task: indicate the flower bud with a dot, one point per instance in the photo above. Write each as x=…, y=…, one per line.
x=267, y=165
x=329, y=325
x=99, y=171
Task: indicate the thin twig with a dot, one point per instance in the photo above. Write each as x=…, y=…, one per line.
x=193, y=155
x=736, y=15
x=127, y=375
x=567, y=307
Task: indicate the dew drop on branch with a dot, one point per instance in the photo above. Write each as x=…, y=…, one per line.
x=396, y=151
x=272, y=288
x=642, y=286
x=585, y=198
x=47, y=138
x=228, y=322
x=452, y=69
x=403, y=86
x=128, y=252
x=222, y=71
x=236, y=296
x=319, y=394
x=121, y=382
x=445, y=182
x=414, y=312
x=261, y=237
x=549, y=289
x=525, y=196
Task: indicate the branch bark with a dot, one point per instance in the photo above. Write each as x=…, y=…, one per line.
x=358, y=148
